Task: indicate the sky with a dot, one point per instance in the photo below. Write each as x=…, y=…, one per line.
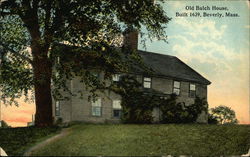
x=217, y=48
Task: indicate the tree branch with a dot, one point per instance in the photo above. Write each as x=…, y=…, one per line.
x=17, y=54
x=58, y=20
x=23, y=57
x=48, y=33
x=35, y=4
x=9, y=7
x=7, y=13
x=30, y=19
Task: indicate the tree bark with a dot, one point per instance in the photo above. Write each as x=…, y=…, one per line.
x=42, y=70
x=42, y=67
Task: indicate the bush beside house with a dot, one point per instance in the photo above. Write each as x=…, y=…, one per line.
x=138, y=106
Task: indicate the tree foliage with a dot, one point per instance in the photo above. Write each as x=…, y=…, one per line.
x=4, y=124
x=15, y=72
x=137, y=106
x=223, y=115
x=31, y=32
x=179, y=112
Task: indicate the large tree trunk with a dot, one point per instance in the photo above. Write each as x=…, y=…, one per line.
x=42, y=67
x=42, y=76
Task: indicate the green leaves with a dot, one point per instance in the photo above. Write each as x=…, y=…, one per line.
x=15, y=80
x=223, y=115
x=137, y=104
x=15, y=69
x=137, y=107
x=93, y=29
x=173, y=112
x=13, y=36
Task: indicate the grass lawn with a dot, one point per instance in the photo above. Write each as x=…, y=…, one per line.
x=142, y=140
x=15, y=141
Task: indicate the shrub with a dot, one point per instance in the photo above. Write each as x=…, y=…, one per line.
x=4, y=124
x=16, y=140
x=137, y=106
x=173, y=112
x=59, y=121
x=194, y=110
x=212, y=119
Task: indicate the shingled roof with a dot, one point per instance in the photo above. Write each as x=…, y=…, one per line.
x=171, y=67
x=165, y=66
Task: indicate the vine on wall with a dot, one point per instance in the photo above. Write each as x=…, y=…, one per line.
x=137, y=106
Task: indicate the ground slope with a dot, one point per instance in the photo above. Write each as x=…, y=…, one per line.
x=142, y=140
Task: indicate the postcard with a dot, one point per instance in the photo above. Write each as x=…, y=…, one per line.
x=125, y=78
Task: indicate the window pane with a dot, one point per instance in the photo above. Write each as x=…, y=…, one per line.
x=192, y=87
x=96, y=111
x=116, y=77
x=147, y=84
x=177, y=84
x=117, y=113
x=148, y=79
x=58, y=59
x=176, y=91
x=57, y=104
x=97, y=102
x=57, y=112
x=192, y=94
x=117, y=104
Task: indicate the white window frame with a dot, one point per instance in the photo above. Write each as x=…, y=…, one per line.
x=192, y=90
x=116, y=104
x=96, y=105
x=57, y=108
x=116, y=77
x=176, y=87
x=57, y=60
x=147, y=82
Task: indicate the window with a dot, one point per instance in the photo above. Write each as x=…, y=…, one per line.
x=117, y=108
x=57, y=110
x=147, y=82
x=58, y=60
x=192, y=89
x=176, y=88
x=116, y=77
x=96, y=107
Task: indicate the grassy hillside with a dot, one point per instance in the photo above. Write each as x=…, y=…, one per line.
x=142, y=140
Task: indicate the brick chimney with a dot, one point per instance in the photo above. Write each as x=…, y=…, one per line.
x=130, y=39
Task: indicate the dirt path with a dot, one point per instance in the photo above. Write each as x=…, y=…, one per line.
x=43, y=143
